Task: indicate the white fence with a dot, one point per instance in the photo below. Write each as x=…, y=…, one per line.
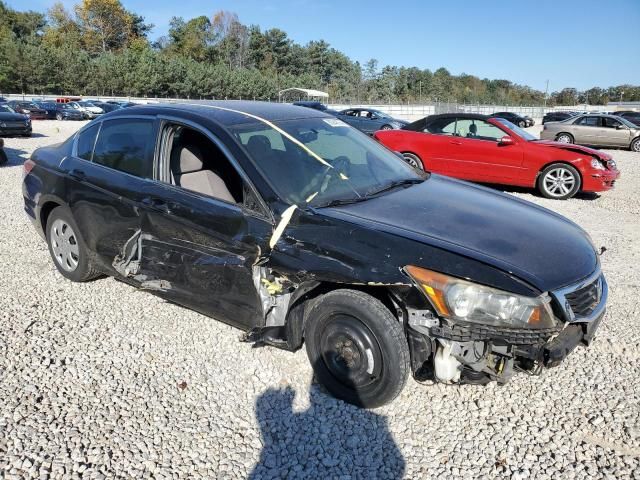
x=406, y=112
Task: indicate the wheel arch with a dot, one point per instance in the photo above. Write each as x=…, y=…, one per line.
x=45, y=210
x=296, y=318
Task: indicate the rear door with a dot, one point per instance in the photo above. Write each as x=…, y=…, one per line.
x=587, y=130
x=111, y=163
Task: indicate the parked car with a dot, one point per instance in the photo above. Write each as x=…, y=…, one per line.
x=49, y=107
x=66, y=111
x=596, y=130
x=469, y=287
x=13, y=123
x=557, y=116
x=369, y=121
x=633, y=117
x=28, y=108
x=514, y=118
x=311, y=104
x=123, y=104
x=493, y=150
x=108, y=107
x=90, y=110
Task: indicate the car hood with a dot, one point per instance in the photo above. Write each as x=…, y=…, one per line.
x=12, y=117
x=532, y=243
x=592, y=152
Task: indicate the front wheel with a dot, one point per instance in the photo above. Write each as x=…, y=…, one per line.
x=564, y=138
x=559, y=181
x=635, y=145
x=522, y=124
x=386, y=127
x=67, y=248
x=357, y=348
x=413, y=160
x=59, y=116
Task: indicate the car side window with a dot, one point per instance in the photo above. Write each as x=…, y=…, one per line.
x=478, y=130
x=588, y=121
x=610, y=122
x=86, y=142
x=126, y=145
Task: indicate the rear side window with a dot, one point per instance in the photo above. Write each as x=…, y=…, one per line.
x=126, y=145
x=86, y=141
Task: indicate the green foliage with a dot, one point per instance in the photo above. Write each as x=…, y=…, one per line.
x=100, y=48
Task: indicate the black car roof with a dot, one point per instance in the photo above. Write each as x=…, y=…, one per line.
x=420, y=124
x=227, y=112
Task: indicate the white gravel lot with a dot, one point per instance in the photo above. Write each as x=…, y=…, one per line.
x=99, y=380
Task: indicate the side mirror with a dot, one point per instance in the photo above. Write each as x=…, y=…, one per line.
x=620, y=127
x=506, y=140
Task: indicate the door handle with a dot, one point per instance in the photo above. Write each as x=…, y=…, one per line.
x=77, y=174
x=157, y=203
x=455, y=142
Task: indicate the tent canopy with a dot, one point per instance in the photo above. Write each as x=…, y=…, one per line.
x=310, y=93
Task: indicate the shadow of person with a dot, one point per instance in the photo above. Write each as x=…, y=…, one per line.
x=331, y=439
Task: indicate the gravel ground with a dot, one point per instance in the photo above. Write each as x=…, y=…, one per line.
x=100, y=380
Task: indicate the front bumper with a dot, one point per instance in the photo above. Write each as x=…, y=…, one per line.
x=25, y=130
x=599, y=180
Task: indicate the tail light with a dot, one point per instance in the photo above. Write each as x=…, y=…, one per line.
x=27, y=167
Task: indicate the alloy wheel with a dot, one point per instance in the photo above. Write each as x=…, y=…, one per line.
x=413, y=160
x=558, y=182
x=564, y=138
x=64, y=245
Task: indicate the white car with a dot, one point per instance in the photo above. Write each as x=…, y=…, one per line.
x=89, y=109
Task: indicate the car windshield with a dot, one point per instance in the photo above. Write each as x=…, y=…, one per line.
x=517, y=130
x=28, y=105
x=6, y=109
x=380, y=114
x=322, y=161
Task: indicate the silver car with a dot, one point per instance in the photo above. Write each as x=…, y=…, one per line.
x=598, y=130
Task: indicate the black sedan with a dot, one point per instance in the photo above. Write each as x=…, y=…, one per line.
x=514, y=118
x=12, y=123
x=49, y=107
x=632, y=116
x=381, y=270
x=557, y=116
x=65, y=111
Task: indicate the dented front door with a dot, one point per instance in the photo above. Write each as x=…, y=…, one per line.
x=199, y=251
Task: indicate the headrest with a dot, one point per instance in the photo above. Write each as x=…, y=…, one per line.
x=258, y=144
x=473, y=128
x=190, y=159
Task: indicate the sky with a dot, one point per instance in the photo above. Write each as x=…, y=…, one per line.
x=570, y=43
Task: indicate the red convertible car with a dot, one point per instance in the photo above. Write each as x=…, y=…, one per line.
x=493, y=150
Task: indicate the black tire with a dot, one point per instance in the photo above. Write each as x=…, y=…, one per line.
x=564, y=135
x=413, y=160
x=386, y=127
x=635, y=145
x=85, y=269
x=357, y=348
x=560, y=190
x=522, y=124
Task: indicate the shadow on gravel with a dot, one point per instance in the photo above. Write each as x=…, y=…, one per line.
x=14, y=157
x=331, y=439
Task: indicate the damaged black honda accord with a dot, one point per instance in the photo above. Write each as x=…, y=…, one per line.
x=296, y=228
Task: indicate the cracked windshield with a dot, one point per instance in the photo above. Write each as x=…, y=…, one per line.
x=322, y=162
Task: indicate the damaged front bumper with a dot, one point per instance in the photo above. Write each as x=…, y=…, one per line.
x=453, y=352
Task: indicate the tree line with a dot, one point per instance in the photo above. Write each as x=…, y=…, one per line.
x=100, y=48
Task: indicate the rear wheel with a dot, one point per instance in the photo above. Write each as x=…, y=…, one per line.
x=635, y=145
x=564, y=138
x=522, y=124
x=386, y=127
x=67, y=248
x=357, y=348
x=559, y=181
x=413, y=160
x=59, y=116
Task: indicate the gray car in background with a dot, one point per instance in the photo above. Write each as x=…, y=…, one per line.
x=597, y=130
x=370, y=121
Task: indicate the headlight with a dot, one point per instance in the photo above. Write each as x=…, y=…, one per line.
x=465, y=301
x=597, y=164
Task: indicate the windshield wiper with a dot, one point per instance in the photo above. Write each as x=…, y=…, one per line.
x=392, y=185
x=340, y=201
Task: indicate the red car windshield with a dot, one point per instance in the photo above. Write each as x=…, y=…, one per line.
x=517, y=130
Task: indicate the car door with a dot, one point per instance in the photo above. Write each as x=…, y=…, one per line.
x=614, y=133
x=438, y=147
x=199, y=250
x=482, y=157
x=350, y=117
x=110, y=165
x=586, y=130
